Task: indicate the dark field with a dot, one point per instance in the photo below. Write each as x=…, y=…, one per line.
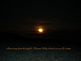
x=40, y=56
x=55, y=40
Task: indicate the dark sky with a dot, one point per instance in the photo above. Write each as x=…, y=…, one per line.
x=23, y=15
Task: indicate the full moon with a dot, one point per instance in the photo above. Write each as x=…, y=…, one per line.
x=40, y=30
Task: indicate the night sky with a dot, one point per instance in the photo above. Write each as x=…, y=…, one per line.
x=60, y=19
x=23, y=15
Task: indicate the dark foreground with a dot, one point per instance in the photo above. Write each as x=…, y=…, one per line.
x=55, y=40
x=40, y=56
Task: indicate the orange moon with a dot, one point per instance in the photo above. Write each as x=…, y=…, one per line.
x=40, y=30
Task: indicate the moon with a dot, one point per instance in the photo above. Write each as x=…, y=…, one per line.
x=40, y=30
